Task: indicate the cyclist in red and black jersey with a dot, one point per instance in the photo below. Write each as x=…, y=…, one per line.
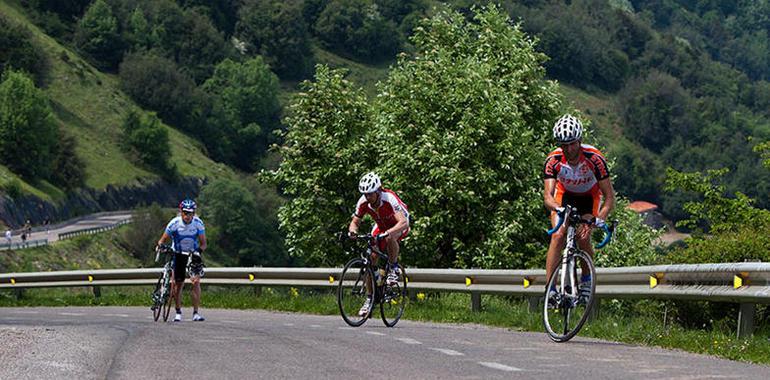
x=391, y=219
x=577, y=175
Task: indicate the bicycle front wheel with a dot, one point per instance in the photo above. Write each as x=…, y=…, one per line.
x=168, y=300
x=356, y=282
x=566, y=310
x=157, y=299
x=394, y=299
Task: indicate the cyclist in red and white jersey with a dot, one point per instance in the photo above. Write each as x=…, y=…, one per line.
x=577, y=175
x=391, y=219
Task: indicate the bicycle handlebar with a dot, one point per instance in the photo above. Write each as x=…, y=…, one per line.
x=568, y=213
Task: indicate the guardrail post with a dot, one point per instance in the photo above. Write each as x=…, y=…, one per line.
x=746, y=320
x=475, y=301
x=97, y=291
x=257, y=291
x=534, y=304
x=594, y=314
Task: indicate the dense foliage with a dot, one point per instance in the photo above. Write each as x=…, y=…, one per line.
x=147, y=141
x=18, y=51
x=459, y=130
x=28, y=133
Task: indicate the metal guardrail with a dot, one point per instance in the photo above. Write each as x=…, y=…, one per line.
x=745, y=283
x=20, y=245
x=93, y=230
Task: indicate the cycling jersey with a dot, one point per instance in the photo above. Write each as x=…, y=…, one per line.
x=578, y=184
x=385, y=214
x=185, y=236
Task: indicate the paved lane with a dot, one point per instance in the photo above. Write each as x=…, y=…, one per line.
x=122, y=343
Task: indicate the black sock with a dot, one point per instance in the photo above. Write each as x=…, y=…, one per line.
x=178, y=311
x=195, y=311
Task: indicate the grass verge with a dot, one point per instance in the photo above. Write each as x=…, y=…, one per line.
x=635, y=323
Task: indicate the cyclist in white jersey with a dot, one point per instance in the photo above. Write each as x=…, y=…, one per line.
x=188, y=235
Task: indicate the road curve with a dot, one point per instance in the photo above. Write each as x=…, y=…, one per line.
x=124, y=343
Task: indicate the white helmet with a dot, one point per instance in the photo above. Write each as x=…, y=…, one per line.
x=369, y=183
x=567, y=129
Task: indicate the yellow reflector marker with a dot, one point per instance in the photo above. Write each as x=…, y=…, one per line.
x=468, y=281
x=420, y=296
x=331, y=279
x=526, y=282
x=251, y=277
x=13, y=281
x=90, y=278
x=738, y=280
x=406, y=280
x=653, y=281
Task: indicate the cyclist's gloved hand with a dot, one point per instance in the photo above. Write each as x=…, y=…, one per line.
x=560, y=210
x=382, y=236
x=599, y=222
x=351, y=235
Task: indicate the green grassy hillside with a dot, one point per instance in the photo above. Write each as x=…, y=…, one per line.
x=89, y=105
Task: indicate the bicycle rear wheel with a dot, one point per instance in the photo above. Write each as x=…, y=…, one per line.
x=394, y=300
x=157, y=299
x=356, y=278
x=565, y=313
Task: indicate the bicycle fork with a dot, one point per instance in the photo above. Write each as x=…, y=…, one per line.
x=568, y=272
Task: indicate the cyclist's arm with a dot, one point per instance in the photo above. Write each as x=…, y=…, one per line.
x=164, y=238
x=401, y=224
x=548, y=199
x=354, y=224
x=202, y=240
x=609, y=198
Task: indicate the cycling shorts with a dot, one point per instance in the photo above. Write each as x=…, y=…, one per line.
x=381, y=244
x=180, y=266
x=585, y=203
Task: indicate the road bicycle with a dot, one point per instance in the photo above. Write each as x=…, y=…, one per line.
x=162, y=296
x=568, y=300
x=365, y=275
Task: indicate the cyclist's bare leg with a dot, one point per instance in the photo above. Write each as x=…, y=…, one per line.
x=196, y=292
x=558, y=239
x=584, y=241
x=177, y=288
x=393, y=249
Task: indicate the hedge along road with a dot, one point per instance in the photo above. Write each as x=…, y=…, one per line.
x=78, y=224
x=125, y=343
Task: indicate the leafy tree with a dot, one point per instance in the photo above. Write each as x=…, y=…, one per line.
x=27, y=129
x=98, y=36
x=142, y=234
x=241, y=226
x=246, y=97
x=148, y=140
x=223, y=13
x=18, y=51
x=138, y=33
x=277, y=31
x=156, y=83
x=68, y=169
x=656, y=109
x=356, y=28
x=323, y=158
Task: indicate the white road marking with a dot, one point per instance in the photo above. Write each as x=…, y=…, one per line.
x=116, y=315
x=26, y=312
x=447, y=351
x=73, y=314
x=315, y=326
x=498, y=366
x=408, y=341
x=375, y=333
x=347, y=328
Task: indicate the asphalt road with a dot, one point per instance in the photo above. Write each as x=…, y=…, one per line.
x=124, y=343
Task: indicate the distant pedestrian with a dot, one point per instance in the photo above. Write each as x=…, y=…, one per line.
x=23, y=238
x=47, y=224
x=8, y=235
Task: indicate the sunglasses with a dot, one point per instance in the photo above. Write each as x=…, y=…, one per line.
x=188, y=212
